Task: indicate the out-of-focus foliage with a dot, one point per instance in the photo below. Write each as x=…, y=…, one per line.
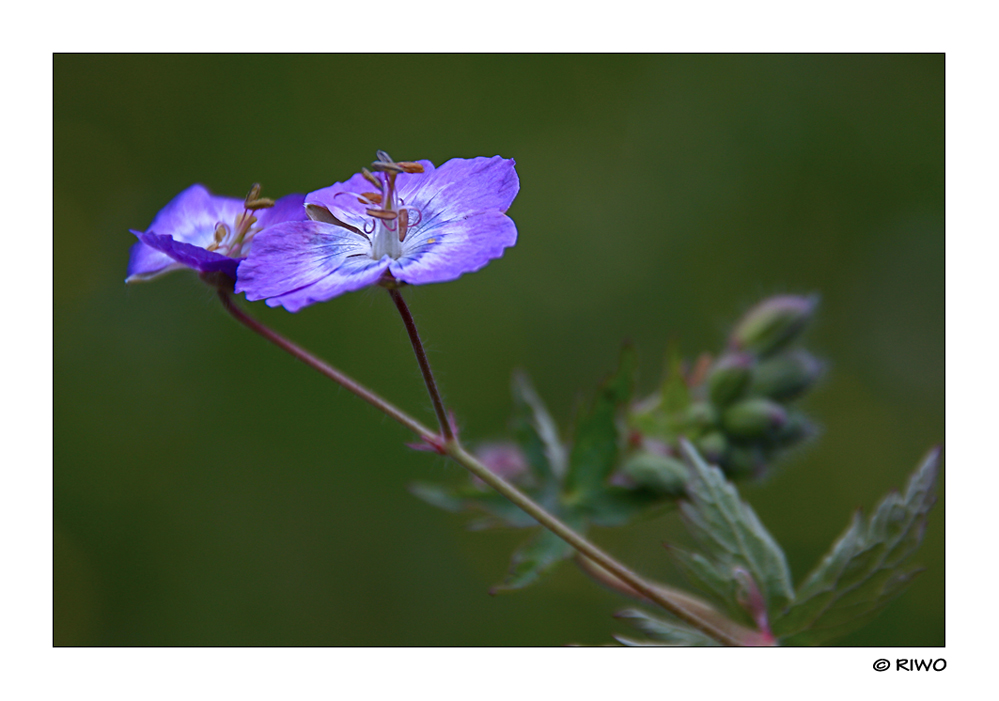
x=745, y=571
x=623, y=459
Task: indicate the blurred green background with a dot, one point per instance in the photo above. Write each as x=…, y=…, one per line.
x=209, y=490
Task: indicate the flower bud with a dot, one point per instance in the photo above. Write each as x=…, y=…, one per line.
x=728, y=378
x=796, y=429
x=744, y=461
x=786, y=376
x=773, y=323
x=660, y=473
x=754, y=418
x=713, y=446
x=504, y=459
x=701, y=415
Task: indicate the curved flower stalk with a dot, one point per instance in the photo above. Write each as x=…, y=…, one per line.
x=406, y=221
x=205, y=232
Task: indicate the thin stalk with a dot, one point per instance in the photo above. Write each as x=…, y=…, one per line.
x=421, y=358
x=680, y=605
x=323, y=367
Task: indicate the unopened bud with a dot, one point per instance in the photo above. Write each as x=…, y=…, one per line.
x=504, y=459
x=660, y=473
x=701, y=415
x=786, y=376
x=728, y=378
x=744, y=461
x=754, y=418
x=773, y=323
x=796, y=429
x=713, y=446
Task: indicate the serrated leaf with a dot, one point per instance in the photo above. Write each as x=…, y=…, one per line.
x=534, y=558
x=732, y=533
x=863, y=571
x=719, y=582
x=537, y=432
x=457, y=500
x=663, y=632
x=595, y=450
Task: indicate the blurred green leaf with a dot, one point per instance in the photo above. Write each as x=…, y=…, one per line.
x=668, y=633
x=864, y=569
x=436, y=495
x=594, y=453
x=534, y=558
x=732, y=533
x=676, y=396
x=461, y=499
x=716, y=580
x=536, y=432
x=616, y=506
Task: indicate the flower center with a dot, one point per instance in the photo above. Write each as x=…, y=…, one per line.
x=392, y=218
x=231, y=243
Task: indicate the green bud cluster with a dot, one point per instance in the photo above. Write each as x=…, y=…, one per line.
x=737, y=411
x=751, y=385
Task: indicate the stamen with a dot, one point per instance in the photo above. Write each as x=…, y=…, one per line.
x=254, y=201
x=410, y=167
x=385, y=214
x=259, y=203
x=371, y=178
x=321, y=214
x=387, y=167
x=362, y=197
x=403, y=224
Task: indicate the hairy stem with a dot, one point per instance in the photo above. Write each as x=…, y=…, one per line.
x=421, y=358
x=680, y=605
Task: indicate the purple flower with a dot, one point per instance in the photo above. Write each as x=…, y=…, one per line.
x=414, y=222
x=206, y=232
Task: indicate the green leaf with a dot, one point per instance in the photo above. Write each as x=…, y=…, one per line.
x=594, y=453
x=616, y=506
x=865, y=569
x=436, y=495
x=676, y=395
x=662, y=631
x=534, y=558
x=732, y=533
x=715, y=579
x=457, y=500
x=536, y=432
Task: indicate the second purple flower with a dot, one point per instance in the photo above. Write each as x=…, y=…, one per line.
x=408, y=220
